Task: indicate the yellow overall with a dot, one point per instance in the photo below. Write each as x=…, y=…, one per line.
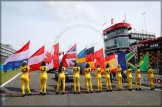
x=61, y=77
x=107, y=78
x=138, y=78
x=76, y=78
x=119, y=77
x=25, y=79
x=129, y=77
x=151, y=77
x=43, y=78
x=99, y=79
x=87, y=78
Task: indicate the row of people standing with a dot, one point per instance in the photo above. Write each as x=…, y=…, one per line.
x=87, y=77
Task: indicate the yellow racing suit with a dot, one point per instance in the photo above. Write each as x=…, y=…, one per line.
x=76, y=78
x=25, y=79
x=43, y=78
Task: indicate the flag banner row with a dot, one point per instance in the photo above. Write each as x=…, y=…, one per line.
x=87, y=55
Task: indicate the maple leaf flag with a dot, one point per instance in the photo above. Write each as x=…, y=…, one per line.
x=51, y=57
x=69, y=59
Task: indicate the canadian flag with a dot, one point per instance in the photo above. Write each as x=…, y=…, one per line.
x=35, y=60
x=112, y=21
x=51, y=57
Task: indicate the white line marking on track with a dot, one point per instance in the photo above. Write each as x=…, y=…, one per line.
x=10, y=80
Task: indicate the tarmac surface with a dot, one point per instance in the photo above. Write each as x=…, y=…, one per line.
x=11, y=94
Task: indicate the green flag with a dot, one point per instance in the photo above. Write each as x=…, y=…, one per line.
x=130, y=60
x=144, y=63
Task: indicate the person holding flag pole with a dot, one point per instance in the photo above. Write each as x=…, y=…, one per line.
x=98, y=78
x=24, y=78
x=119, y=77
x=76, y=77
x=43, y=77
x=87, y=78
x=129, y=77
x=61, y=78
x=107, y=78
x=138, y=78
x=151, y=77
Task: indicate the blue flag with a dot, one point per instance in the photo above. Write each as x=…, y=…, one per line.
x=122, y=60
x=81, y=60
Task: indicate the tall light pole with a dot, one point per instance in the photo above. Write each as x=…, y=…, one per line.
x=144, y=21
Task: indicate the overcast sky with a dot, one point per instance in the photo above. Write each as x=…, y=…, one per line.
x=46, y=23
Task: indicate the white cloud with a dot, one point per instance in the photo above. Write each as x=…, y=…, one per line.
x=68, y=11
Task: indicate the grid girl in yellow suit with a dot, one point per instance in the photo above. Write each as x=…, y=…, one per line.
x=87, y=78
x=151, y=77
x=61, y=77
x=76, y=77
x=119, y=77
x=24, y=78
x=107, y=78
x=129, y=77
x=43, y=77
x=98, y=78
x=138, y=78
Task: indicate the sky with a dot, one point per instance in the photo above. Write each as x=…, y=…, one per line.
x=68, y=22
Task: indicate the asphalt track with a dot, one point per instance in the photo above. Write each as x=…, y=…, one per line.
x=11, y=95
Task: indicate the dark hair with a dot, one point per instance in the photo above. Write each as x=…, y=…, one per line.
x=98, y=65
x=150, y=66
x=75, y=64
x=87, y=65
x=128, y=67
x=43, y=63
x=107, y=65
x=60, y=67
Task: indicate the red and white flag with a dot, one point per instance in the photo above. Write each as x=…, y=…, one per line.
x=69, y=59
x=112, y=21
x=51, y=57
x=36, y=59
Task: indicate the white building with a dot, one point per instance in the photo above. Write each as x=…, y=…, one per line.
x=5, y=51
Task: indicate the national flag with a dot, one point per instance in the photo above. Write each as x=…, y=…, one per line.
x=99, y=56
x=90, y=57
x=122, y=61
x=112, y=21
x=81, y=60
x=144, y=63
x=69, y=59
x=16, y=59
x=51, y=57
x=130, y=60
x=112, y=62
x=35, y=60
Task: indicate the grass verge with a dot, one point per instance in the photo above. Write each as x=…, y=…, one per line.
x=8, y=75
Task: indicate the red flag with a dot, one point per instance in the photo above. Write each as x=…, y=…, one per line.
x=112, y=62
x=36, y=59
x=112, y=21
x=90, y=57
x=51, y=56
x=99, y=56
x=56, y=56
